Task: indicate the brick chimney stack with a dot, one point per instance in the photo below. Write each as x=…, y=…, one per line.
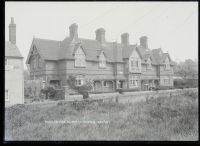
x=73, y=31
x=144, y=42
x=125, y=38
x=12, y=31
x=100, y=35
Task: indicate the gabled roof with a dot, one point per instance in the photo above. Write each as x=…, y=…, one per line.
x=114, y=52
x=11, y=50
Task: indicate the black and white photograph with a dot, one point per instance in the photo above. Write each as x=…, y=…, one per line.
x=101, y=71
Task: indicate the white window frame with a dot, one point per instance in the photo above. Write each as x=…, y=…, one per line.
x=166, y=81
x=134, y=64
x=7, y=98
x=106, y=84
x=80, y=58
x=102, y=61
x=149, y=66
x=79, y=81
x=133, y=81
x=167, y=64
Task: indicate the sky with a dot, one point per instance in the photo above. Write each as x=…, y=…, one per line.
x=173, y=26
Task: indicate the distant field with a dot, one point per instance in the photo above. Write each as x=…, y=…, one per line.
x=164, y=118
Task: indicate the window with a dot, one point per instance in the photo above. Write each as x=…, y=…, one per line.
x=134, y=64
x=166, y=81
x=167, y=64
x=6, y=95
x=102, y=61
x=133, y=82
x=79, y=81
x=106, y=84
x=80, y=58
x=149, y=64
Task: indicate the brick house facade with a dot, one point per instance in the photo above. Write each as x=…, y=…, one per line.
x=109, y=65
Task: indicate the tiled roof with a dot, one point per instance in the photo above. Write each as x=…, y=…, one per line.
x=11, y=50
x=114, y=52
x=49, y=49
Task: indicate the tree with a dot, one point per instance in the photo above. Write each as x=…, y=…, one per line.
x=83, y=89
x=186, y=69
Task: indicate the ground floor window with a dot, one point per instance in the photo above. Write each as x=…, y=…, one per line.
x=166, y=80
x=79, y=81
x=133, y=81
x=6, y=95
x=106, y=84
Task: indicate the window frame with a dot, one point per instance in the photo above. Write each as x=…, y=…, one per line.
x=80, y=58
x=134, y=64
x=149, y=65
x=134, y=82
x=106, y=84
x=167, y=64
x=102, y=60
x=79, y=80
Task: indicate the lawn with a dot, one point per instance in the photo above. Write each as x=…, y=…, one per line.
x=164, y=118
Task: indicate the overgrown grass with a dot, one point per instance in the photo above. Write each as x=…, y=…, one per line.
x=164, y=118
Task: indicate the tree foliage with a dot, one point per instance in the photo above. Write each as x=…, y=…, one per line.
x=83, y=89
x=186, y=69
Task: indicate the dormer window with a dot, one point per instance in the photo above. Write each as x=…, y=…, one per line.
x=167, y=64
x=134, y=62
x=149, y=64
x=102, y=60
x=80, y=58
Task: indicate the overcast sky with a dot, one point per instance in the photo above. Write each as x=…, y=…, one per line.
x=173, y=26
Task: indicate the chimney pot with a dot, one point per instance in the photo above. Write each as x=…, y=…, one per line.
x=144, y=41
x=73, y=28
x=125, y=38
x=12, y=31
x=100, y=35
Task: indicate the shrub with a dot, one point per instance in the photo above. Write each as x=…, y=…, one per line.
x=127, y=90
x=83, y=89
x=163, y=88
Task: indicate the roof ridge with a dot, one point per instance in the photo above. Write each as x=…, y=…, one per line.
x=46, y=39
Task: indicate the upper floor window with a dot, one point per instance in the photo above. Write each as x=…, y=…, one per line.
x=167, y=64
x=149, y=64
x=80, y=58
x=7, y=95
x=102, y=61
x=79, y=81
x=134, y=64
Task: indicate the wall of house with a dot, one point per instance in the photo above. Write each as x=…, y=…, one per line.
x=91, y=70
x=14, y=81
x=37, y=66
